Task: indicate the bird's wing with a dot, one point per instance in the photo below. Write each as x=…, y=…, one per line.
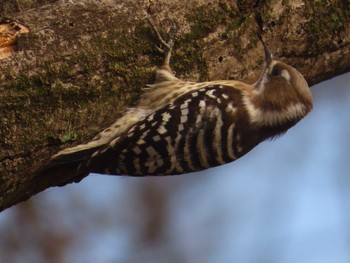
x=187, y=135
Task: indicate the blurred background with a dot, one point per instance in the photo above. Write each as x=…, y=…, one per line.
x=286, y=201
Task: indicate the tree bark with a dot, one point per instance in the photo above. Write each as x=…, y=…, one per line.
x=85, y=61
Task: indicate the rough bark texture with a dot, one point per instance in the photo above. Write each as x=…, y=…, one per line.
x=84, y=61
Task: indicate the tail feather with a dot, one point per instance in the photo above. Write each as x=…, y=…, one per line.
x=67, y=167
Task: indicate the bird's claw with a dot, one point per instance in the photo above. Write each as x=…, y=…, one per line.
x=167, y=45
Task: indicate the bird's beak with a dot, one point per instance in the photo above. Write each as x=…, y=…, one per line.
x=268, y=60
x=268, y=55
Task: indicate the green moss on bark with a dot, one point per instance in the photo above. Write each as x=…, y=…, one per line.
x=81, y=91
x=326, y=22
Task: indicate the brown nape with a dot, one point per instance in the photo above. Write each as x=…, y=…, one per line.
x=281, y=93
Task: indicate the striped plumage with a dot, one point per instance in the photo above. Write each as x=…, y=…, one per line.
x=179, y=127
x=195, y=131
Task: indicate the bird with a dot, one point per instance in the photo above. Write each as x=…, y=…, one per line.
x=178, y=127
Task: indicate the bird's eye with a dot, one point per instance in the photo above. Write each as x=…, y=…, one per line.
x=276, y=72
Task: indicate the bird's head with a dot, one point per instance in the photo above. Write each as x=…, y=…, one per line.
x=280, y=95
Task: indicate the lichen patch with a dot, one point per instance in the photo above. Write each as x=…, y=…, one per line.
x=9, y=30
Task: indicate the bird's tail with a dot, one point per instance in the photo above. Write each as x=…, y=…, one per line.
x=66, y=167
